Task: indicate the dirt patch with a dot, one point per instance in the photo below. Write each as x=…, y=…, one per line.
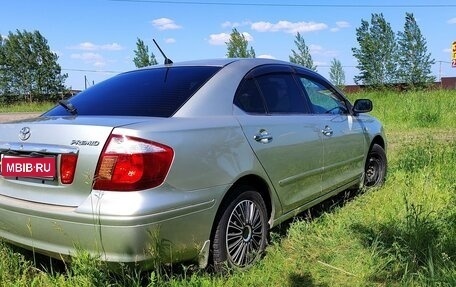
x=8, y=117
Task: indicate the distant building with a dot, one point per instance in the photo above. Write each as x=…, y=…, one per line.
x=446, y=83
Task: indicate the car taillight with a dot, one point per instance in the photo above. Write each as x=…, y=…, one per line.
x=67, y=167
x=130, y=164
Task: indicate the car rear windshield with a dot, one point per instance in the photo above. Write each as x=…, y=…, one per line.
x=157, y=92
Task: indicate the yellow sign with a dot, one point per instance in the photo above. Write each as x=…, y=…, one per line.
x=453, y=53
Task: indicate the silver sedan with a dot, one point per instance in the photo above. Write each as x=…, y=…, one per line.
x=186, y=161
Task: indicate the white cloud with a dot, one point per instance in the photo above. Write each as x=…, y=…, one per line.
x=170, y=40
x=223, y=38
x=111, y=47
x=219, y=39
x=94, y=59
x=165, y=24
x=340, y=25
x=319, y=50
x=266, y=56
x=86, y=46
x=452, y=21
x=229, y=24
x=288, y=27
x=89, y=46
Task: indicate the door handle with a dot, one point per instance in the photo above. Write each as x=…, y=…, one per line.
x=327, y=131
x=263, y=137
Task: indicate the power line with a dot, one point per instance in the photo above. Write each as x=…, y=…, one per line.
x=292, y=4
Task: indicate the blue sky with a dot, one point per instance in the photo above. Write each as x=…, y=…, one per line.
x=96, y=39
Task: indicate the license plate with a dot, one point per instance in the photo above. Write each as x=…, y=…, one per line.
x=38, y=167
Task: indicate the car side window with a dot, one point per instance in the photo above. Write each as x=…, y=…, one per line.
x=282, y=94
x=249, y=99
x=322, y=98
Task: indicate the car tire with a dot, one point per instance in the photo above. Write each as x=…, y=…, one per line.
x=375, y=167
x=241, y=233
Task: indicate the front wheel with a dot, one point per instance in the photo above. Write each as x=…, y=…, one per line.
x=241, y=233
x=376, y=166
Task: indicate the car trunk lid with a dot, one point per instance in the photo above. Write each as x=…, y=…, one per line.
x=55, y=137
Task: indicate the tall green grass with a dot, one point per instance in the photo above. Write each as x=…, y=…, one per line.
x=402, y=234
x=413, y=110
x=37, y=107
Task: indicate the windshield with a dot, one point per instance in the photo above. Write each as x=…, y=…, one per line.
x=156, y=92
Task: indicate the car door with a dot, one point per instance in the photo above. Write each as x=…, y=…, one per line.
x=343, y=137
x=284, y=136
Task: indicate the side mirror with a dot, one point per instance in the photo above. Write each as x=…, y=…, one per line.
x=362, y=106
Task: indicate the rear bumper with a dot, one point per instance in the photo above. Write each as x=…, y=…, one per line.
x=152, y=232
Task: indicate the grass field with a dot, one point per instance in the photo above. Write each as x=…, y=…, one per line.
x=26, y=107
x=402, y=234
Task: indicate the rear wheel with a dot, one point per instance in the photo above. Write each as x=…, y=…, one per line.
x=241, y=233
x=375, y=168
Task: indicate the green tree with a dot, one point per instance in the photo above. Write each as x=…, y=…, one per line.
x=336, y=73
x=302, y=56
x=238, y=46
x=142, y=58
x=3, y=82
x=377, y=54
x=28, y=68
x=414, y=60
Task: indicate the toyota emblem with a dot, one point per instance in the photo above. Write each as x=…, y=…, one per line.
x=24, y=133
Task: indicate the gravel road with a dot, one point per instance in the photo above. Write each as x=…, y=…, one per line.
x=7, y=117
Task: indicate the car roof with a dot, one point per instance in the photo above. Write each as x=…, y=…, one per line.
x=221, y=62
x=215, y=97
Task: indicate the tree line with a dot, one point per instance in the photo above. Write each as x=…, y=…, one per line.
x=384, y=58
x=388, y=58
x=29, y=70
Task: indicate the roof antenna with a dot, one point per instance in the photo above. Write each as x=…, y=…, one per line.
x=167, y=60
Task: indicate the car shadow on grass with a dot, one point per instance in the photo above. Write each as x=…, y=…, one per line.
x=326, y=206
x=280, y=232
x=299, y=280
x=39, y=262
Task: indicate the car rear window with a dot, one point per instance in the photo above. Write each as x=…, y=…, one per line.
x=158, y=92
